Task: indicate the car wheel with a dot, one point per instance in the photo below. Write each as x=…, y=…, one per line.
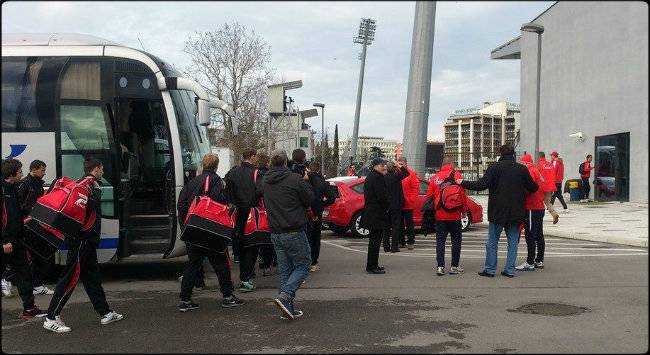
x=466, y=222
x=338, y=230
x=355, y=227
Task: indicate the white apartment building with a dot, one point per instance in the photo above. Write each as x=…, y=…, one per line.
x=364, y=143
x=474, y=134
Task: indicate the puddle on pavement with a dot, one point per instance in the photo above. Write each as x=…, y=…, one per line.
x=551, y=309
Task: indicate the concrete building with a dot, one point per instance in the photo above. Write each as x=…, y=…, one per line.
x=594, y=85
x=388, y=147
x=290, y=131
x=473, y=135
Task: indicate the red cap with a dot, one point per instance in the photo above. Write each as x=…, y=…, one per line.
x=554, y=154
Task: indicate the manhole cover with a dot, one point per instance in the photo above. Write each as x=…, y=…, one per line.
x=551, y=309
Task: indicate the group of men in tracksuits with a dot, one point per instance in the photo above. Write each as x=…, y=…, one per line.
x=81, y=261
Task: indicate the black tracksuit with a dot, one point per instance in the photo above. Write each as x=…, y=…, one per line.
x=82, y=265
x=17, y=260
x=30, y=188
x=395, y=194
x=242, y=192
x=323, y=196
x=266, y=251
x=195, y=255
x=375, y=215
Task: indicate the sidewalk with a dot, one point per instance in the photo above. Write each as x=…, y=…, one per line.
x=609, y=222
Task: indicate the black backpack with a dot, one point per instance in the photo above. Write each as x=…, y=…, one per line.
x=581, y=169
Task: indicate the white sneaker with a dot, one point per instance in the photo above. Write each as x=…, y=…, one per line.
x=456, y=270
x=525, y=267
x=42, y=290
x=440, y=271
x=6, y=288
x=539, y=265
x=111, y=317
x=56, y=325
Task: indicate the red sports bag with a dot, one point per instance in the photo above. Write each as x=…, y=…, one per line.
x=256, y=230
x=64, y=208
x=208, y=224
x=452, y=196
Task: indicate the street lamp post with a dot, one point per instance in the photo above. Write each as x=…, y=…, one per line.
x=322, y=139
x=365, y=37
x=539, y=29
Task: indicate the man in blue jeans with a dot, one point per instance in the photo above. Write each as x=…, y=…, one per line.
x=508, y=182
x=287, y=196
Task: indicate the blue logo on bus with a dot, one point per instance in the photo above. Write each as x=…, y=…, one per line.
x=16, y=150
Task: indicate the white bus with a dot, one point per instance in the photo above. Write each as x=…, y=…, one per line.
x=69, y=96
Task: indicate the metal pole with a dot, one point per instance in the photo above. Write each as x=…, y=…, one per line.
x=357, y=111
x=539, y=70
x=322, y=144
x=268, y=136
x=419, y=89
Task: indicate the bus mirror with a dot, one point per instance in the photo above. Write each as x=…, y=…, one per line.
x=203, y=107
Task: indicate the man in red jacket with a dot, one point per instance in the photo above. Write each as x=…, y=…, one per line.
x=447, y=222
x=547, y=170
x=534, y=221
x=411, y=190
x=559, y=176
x=586, y=175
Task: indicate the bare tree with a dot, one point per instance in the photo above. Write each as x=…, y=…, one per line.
x=232, y=63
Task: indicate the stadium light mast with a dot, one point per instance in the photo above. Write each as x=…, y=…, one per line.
x=365, y=37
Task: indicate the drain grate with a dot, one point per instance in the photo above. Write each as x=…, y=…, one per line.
x=550, y=309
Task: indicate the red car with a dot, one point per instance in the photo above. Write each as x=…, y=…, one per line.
x=345, y=212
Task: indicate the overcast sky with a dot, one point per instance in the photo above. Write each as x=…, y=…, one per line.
x=312, y=42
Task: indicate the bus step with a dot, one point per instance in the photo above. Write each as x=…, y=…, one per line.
x=149, y=232
x=148, y=246
x=150, y=220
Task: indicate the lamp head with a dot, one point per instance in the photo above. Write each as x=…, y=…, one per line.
x=532, y=27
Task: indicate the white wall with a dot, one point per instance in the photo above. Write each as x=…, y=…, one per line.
x=594, y=79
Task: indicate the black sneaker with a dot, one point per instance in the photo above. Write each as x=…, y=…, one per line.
x=33, y=312
x=285, y=307
x=231, y=301
x=507, y=274
x=486, y=274
x=296, y=314
x=186, y=306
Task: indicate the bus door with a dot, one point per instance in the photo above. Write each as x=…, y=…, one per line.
x=146, y=167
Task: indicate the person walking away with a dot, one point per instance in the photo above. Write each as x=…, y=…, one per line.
x=82, y=262
x=559, y=176
x=242, y=192
x=323, y=197
x=395, y=174
x=411, y=189
x=375, y=212
x=195, y=255
x=267, y=254
x=585, y=173
x=13, y=248
x=287, y=197
x=547, y=170
x=31, y=188
x=507, y=182
x=447, y=222
x=534, y=220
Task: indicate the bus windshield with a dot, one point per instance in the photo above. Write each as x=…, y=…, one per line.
x=193, y=138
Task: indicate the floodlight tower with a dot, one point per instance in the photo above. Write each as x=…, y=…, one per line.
x=365, y=37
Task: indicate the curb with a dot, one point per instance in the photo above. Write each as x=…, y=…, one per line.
x=636, y=242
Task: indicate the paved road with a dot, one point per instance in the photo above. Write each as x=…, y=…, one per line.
x=346, y=310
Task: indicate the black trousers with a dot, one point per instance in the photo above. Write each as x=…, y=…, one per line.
x=374, y=240
x=534, y=231
x=453, y=228
x=240, y=224
x=40, y=269
x=391, y=236
x=81, y=265
x=267, y=253
x=558, y=194
x=408, y=227
x=21, y=273
x=314, y=238
x=247, y=259
x=585, y=187
x=220, y=263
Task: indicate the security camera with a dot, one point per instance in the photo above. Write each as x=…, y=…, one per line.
x=576, y=135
